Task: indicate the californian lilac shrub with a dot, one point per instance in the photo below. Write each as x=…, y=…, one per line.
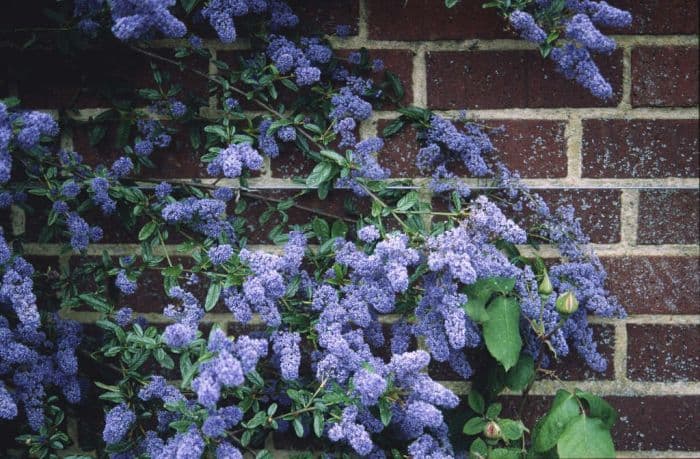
x=342, y=322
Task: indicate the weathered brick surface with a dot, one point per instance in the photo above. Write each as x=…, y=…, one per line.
x=419, y=20
x=640, y=148
x=663, y=353
x=505, y=79
x=324, y=15
x=668, y=217
x=89, y=80
x=665, y=76
x=655, y=285
x=660, y=17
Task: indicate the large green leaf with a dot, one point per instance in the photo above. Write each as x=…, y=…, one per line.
x=502, y=332
x=599, y=408
x=564, y=409
x=521, y=374
x=479, y=293
x=585, y=437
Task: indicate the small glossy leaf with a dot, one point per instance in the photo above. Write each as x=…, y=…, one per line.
x=474, y=426
x=476, y=401
x=212, y=296
x=147, y=230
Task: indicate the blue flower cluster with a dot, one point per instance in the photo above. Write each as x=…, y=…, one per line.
x=267, y=283
x=289, y=58
x=21, y=131
x=446, y=144
x=366, y=165
x=35, y=355
x=187, y=314
x=231, y=161
x=136, y=19
x=220, y=14
x=581, y=37
x=206, y=216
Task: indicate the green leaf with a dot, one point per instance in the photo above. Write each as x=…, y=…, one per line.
x=212, y=296
x=96, y=134
x=322, y=172
x=476, y=310
x=511, y=430
x=393, y=127
x=385, y=411
x=502, y=331
x=564, y=409
x=522, y=374
x=585, y=437
x=298, y=427
x=147, y=230
x=476, y=401
x=505, y=453
x=474, y=426
x=318, y=424
x=493, y=410
x=339, y=229
x=599, y=408
x=408, y=201
x=479, y=447
x=480, y=292
x=164, y=359
x=98, y=304
x=321, y=229
x=333, y=156
x=451, y=3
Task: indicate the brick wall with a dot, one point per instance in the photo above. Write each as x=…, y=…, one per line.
x=630, y=165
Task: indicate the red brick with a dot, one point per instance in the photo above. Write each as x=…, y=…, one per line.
x=93, y=78
x=660, y=17
x=179, y=160
x=668, y=217
x=655, y=285
x=291, y=163
x=400, y=151
x=640, y=148
x=25, y=14
x=510, y=79
x=665, y=77
x=535, y=148
x=663, y=352
x=428, y=20
x=324, y=15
